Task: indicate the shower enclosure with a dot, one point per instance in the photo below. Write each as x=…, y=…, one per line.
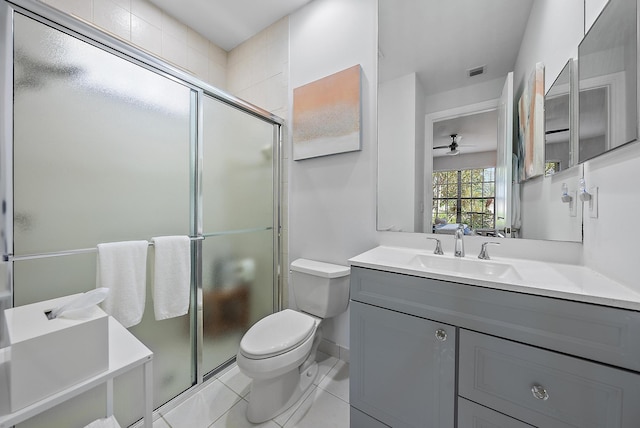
x=101, y=143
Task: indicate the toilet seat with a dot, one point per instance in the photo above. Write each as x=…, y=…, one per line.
x=277, y=334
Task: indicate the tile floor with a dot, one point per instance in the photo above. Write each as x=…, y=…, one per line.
x=222, y=402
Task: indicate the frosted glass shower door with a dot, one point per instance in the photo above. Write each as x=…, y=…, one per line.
x=238, y=220
x=103, y=149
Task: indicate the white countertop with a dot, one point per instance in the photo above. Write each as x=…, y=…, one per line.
x=565, y=281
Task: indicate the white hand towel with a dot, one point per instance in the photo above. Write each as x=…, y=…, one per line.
x=122, y=268
x=171, y=276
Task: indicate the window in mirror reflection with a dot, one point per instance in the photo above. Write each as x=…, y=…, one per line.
x=464, y=196
x=551, y=168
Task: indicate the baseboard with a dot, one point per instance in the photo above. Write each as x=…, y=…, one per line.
x=334, y=350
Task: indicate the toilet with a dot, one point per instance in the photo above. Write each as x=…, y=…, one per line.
x=278, y=352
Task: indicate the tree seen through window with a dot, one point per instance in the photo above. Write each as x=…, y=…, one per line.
x=465, y=196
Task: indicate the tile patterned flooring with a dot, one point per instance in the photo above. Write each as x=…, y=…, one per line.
x=222, y=402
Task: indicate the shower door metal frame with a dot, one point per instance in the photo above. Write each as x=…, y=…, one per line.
x=111, y=43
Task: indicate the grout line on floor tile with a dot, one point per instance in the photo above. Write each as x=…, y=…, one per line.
x=329, y=392
x=321, y=378
x=310, y=393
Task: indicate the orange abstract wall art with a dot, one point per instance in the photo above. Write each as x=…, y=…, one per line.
x=531, y=125
x=327, y=115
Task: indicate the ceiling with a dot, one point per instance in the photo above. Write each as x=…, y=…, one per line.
x=441, y=39
x=477, y=133
x=228, y=23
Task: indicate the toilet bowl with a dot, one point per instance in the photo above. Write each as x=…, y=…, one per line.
x=278, y=352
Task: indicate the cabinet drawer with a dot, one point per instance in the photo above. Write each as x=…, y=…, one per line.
x=598, y=333
x=544, y=388
x=472, y=415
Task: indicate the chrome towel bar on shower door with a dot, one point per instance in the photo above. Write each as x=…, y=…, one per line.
x=11, y=257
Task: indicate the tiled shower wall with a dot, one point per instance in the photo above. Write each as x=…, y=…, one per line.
x=143, y=24
x=255, y=71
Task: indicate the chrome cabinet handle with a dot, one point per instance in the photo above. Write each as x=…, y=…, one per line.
x=441, y=335
x=539, y=392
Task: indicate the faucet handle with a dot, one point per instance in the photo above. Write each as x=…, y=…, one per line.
x=438, y=249
x=484, y=255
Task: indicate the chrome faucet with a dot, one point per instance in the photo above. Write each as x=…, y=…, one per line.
x=459, y=241
x=438, y=249
x=483, y=250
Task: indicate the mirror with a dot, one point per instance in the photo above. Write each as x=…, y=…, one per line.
x=557, y=119
x=449, y=75
x=608, y=81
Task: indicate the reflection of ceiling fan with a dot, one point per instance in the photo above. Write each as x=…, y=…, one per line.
x=555, y=131
x=455, y=139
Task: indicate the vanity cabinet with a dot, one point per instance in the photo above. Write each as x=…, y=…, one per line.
x=522, y=360
x=404, y=368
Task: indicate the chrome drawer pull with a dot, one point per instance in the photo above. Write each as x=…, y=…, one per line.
x=539, y=392
x=441, y=335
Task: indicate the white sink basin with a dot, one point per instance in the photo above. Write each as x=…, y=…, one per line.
x=545, y=278
x=466, y=266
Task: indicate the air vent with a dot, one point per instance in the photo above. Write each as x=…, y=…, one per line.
x=477, y=71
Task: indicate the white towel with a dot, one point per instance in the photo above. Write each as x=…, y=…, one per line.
x=171, y=276
x=122, y=268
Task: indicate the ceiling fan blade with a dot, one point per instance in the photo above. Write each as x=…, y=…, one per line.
x=555, y=131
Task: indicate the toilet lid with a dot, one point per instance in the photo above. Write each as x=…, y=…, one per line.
x=276, y=333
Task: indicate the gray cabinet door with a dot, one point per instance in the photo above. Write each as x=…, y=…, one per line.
x=402, y=368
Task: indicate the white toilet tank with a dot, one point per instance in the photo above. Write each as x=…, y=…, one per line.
x=320, y=289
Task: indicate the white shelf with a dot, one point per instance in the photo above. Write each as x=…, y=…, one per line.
x=125, y=353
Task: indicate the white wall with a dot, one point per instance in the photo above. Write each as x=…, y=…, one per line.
x=332, y=201
x=610, y=241
x=610, y=246
x=397, y=153
x=554, y=31
x=257, y=69
x=544, y=215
